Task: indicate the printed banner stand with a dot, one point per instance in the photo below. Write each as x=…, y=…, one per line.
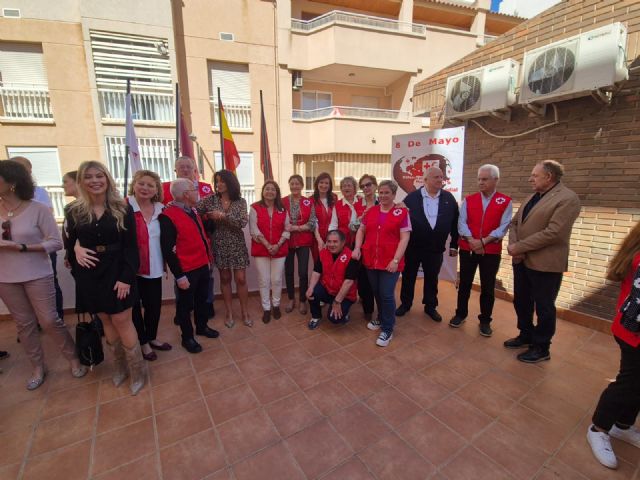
x=413, y=153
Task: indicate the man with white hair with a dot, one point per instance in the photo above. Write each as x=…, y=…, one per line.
x=186, y=249
x=484, y=221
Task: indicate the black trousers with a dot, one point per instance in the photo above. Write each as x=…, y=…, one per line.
x=535, y=290
x=149, y=299
x=488, y=265
x=365, y=292
x=303, y=272
x=620, y=401
x=193, y=299
x=431, y=263
x=54, y=264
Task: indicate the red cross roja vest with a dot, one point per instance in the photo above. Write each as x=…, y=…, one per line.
x=381, y=239
x=343, y=212
x=300, y=239
x=324, y=217
x=482, y=223
x=333, y=273
x=191, y=250
x=271, y=229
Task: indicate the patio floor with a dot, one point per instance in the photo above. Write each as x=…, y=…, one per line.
x=280, y=402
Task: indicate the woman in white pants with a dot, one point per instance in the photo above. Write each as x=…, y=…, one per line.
x=269, y=227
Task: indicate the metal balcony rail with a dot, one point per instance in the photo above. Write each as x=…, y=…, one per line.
x=20, y=101
x=56, y=193
x=350, y=112
x=238, y=114
x=347, y=18
x=145, y=106
x=248, y=192
x=156, y=154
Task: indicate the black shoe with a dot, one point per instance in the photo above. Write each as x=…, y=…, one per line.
x=208, y=332
x=266, y=316
x=3, y=354
x=534, y=354
x=277, y=313
x=433, y=313
x=402, y=310
x=211, y=313
x=456, y=321
x=191, y=346
x=517, y=342
x=485, y=330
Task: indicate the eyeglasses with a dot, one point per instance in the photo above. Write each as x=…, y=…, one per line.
x=6, y=230
x=366, y=185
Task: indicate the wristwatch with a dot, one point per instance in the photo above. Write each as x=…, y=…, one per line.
x=396, y=261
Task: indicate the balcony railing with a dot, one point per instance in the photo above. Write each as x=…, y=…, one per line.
x=25, y=102
x=346, y=18
x=238, y=115
x=350, y=112
x=145, y=106
x=56, y=194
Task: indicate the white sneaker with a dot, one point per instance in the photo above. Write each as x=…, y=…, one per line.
x=384, y=339
x=374, y=324
x=630, y=435
x=601, y=448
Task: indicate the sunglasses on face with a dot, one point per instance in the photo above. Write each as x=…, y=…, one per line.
x=366, y=185
x=6, y=230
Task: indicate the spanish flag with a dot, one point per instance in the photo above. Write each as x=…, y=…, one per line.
x=229, y=150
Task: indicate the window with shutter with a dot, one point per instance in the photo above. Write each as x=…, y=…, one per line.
x=235, y=92
x=45, y=163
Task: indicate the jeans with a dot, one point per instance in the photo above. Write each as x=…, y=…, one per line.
x=303, y=272
x=320, y=294
x=489, y=265
x=383, y=284
x=620, y=401
x=431, y=263
x=270, y=280
x=150, y=293
x=193, y=299
x=537, y=290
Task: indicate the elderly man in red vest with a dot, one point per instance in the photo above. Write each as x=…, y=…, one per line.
x=185, y=248
x=333, y=281
x=484, y=220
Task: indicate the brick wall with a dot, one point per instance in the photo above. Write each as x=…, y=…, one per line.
x=598, y=144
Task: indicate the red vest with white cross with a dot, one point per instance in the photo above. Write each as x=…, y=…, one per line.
x=381, y=239
x=481, y=223
x=333, y=272
x=271, y=228
x=300, y=239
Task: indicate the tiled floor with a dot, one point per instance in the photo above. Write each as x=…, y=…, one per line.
x=279, y=402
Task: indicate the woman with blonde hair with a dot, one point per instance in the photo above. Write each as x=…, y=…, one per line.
x=145, y=198
x=102, y=249
x=616, y=413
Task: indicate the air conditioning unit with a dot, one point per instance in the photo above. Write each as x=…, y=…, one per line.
x=576, y=66
x=482, y=91
x=297, y=80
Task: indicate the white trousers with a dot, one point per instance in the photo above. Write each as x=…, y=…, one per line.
x=270, y=272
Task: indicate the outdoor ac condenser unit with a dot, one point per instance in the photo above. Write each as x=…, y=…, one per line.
x=482, y=91
x=576, y=66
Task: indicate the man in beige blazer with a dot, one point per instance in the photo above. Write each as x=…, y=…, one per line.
x=539, y=245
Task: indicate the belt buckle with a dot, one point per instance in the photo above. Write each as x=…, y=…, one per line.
x=101, y=248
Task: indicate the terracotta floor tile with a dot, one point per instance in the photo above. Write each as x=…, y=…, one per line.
x=553, y=408
x=68, y=463
x=319, y=345
x=276, y=340
x=484, y=398
x=122, y=412
x=71, y=400
x=233, y=335
x=416, y=358
x=446, y=376
x=387, y=367
x=393, y=406
x=168, y=371
x=320, y=437
x=353, y=469
x=273, y=387
x=514, y=452
x=123, y=445
x=273, y=463
x=366, y=349
x=214, y=381
x=392, y=459
x=231, y=403
x=300, y=331
x=182, y=421
x=247, y=348
x=556, y=470
x=431, y=438
x=460, y=416
x=470, y=464
x=339, y=362
x=292, y=414
x=524, y=372
x=211, y=359
x=505, y=384
x=108, y=392
x=463, y=362
x=23, y=414
x=192, y=458
x=349, y=334
x=420, y=389
x=145, y=468
x=308, y=374
x=359, y=426
x=291, y=355
x=63, y=430
x=177, y=392
x=330, y=397
x=246, y=434
x=258, y=366
x=10, y=472
x=13, y=451
x=362, y=382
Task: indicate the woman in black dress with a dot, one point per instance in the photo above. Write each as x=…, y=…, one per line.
x=102, y=250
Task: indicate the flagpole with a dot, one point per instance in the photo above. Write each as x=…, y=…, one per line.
x=126, y=151
x=177, y=150
x=221, y=132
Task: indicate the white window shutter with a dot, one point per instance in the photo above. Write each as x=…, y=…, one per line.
x=45, y=163
x=22, y=64
x=233, y=80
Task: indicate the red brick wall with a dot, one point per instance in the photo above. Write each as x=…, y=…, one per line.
x=598, y=144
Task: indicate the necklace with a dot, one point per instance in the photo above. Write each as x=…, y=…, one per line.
x=11, y=213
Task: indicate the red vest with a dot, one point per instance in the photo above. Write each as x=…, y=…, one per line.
x=381, y=240
x=333, y=273
x=204, y=190
x=617, y=329
x=300, y=239
x=482, y=223
x=360, y=205
x=271, y=229
x=142, y=237
x=190, y=249
x=324, y=218
x=343, y=213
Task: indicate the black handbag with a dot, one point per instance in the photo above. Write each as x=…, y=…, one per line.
x=630, y=308
x=89, y=341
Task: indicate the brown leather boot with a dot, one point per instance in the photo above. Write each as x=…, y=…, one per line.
x=120, y=371
x=137, y=368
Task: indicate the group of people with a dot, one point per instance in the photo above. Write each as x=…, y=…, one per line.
x=119, y=248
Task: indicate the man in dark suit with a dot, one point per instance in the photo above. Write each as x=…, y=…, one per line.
x=434, y=216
